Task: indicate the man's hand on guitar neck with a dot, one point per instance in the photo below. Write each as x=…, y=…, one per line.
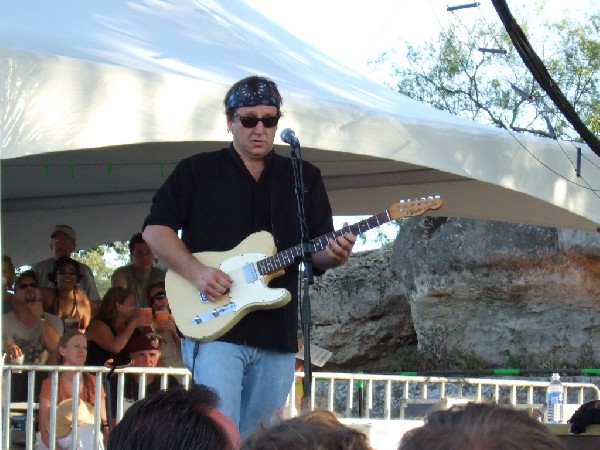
x=336, y=253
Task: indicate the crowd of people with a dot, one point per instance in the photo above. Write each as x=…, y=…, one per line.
x=55, y=301
x=51, y=315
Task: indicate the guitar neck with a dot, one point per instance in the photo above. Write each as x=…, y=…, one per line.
x=287, y=257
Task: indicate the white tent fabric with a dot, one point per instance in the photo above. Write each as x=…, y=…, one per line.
x=102, y=98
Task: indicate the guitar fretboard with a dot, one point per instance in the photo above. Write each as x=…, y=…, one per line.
x=287, y=257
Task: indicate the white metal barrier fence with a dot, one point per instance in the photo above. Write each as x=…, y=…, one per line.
x=386, y=396
x=383, y=396
x=29, y=409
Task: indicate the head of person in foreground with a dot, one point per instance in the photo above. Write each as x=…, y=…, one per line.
x=316, y=430
x=480, y=426
x=176, y=418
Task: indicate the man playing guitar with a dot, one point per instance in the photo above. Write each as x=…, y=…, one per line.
x=217, y=199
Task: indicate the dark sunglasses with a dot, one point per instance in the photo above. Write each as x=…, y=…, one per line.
x=66, y=272
x=251, y=122
x=158, y=296
x=27, y=285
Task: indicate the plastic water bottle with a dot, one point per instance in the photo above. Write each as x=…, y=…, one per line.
x=555, y=400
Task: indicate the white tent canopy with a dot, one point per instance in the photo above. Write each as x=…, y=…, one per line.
x=102, y=98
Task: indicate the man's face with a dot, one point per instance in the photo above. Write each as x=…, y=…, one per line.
x=61, y=245
x=142, y=257
x=253, y=143
x=145, y=358
x=27, y=290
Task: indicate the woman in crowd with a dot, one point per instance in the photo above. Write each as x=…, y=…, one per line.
x=8, y=280
x=72, y=351
x=112, y=328
x=66, y=300
x=164, y=325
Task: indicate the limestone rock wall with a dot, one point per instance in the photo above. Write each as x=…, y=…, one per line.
x=361, y=313
x=501, y=292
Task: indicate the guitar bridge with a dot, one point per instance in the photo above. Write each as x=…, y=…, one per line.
x=228, y=308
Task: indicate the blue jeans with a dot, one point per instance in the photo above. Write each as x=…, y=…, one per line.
x=252, y=383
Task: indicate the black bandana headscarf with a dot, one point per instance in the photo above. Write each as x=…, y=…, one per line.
x=263, y=92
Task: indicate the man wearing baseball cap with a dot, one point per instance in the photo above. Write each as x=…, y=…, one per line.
x=144, y=351
x=62, y=243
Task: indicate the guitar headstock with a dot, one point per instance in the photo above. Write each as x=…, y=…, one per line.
x=413, y=208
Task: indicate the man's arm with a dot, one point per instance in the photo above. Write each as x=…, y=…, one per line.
x=165, y=244
x=49, y=325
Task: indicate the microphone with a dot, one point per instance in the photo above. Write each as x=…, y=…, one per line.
x=289, y=137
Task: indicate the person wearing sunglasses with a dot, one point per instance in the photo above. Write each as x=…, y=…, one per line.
x=218, y=199
x=164, y=325
x=29, y=336
x=63, y=243
x=65, y=299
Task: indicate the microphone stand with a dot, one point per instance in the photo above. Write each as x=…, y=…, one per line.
x=305, y=261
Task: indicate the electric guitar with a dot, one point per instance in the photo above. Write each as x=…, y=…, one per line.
x=252, y=264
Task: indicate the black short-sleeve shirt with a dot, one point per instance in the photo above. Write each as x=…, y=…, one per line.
x=216, y=203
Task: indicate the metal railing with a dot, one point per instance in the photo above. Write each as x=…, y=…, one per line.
x=386, y=396
x=348, y=395
x=30, y=407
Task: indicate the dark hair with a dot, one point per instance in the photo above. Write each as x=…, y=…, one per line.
x=62, y=262
x=11, y=267
x=480, y=426
x=160, y=284
x=27, y=274
x=174, y=418
x=135, y=239
x=108, y=306
x=253, y=84
x=316, y=430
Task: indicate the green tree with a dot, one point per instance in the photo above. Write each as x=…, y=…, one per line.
x=103, y=260
x=451, y=74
